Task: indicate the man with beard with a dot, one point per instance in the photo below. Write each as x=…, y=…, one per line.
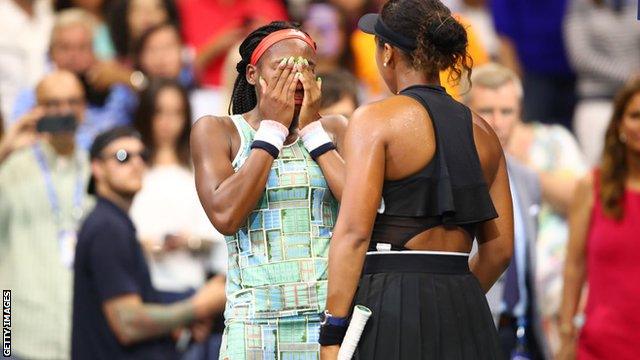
x=116, y=310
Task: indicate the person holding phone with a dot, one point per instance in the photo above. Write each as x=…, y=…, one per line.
x=41, y=204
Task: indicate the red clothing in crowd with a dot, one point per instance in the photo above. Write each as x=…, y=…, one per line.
x=612, y=328
x=204, y=20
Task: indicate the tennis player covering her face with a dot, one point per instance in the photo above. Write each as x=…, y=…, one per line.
x=268, y=177
x=424, y=178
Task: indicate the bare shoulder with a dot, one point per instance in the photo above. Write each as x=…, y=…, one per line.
x=211, y=125
x=211, y=131
x=488, y=147
x=484, y=132
x=380, y=114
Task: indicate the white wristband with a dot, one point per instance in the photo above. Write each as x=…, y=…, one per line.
x=272, y=132
x=314, y=136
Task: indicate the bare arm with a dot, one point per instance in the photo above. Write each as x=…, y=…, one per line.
x=133, y=321
x=575, y=264
x=227, y=196
x=495, y=237
x=557, y=189
x=361, y=197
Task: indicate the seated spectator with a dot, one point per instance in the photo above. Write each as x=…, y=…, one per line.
x=603, y=245
x=603, y=44
x=41, y=204
x=158, y=53
x=102, y=44
x=339, y=93
x=129, y=19
x=549, y=150
x=71, y=49
x=325, y=23
x=117, y=314
x=167, y=213
x=24, y=27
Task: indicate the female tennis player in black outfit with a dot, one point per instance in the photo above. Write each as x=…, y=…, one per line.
x=425, y=176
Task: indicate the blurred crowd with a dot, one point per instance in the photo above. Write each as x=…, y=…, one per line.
x=545, y=76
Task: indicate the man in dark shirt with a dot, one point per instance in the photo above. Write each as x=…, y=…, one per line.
x=116, y=314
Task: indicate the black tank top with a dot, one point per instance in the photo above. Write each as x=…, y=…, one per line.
x=449, y=191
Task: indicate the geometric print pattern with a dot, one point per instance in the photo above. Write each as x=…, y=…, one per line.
x=277, y=261
x=289, y=338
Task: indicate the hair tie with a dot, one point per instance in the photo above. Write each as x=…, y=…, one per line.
x=241, y=66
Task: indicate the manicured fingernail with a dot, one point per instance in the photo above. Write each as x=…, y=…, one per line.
x=298, y=76
x=306, y=62
x=319, y=79
x=291, y=60
x=284, y=61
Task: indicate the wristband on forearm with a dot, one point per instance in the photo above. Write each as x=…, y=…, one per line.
x=270, y=137
x=332, y=334
x=316, y=140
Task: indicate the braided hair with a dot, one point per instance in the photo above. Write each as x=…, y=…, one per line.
x=244, y=98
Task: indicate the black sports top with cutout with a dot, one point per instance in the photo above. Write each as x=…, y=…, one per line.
x=449, y=191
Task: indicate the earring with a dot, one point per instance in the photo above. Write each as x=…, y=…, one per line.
x=384, y=64
x=623, y=138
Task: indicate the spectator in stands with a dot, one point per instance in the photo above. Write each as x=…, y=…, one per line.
x=212, y=27
x=71, y=49
x=24, y=27
x=20, y=134
x=339, y=93
x=128, y=19
x=325, y=23
x=182, y=244
x=117, y=314
x=603, y=245
x=603, y=41
x=41, y=204
x=159, y=53
x=549, y=150
x=531, y=44
x=513, y=299
x=167, y=212
x=102, y=44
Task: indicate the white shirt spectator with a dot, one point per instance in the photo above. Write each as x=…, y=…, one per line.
x=23, y=48
x=168, y=204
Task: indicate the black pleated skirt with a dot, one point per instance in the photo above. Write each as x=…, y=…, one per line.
x=424, y=307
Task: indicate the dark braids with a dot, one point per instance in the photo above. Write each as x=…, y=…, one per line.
x=243, y=98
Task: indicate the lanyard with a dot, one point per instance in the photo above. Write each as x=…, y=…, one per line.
x=78, y=193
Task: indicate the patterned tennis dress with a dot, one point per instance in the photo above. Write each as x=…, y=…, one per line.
x=277, y=275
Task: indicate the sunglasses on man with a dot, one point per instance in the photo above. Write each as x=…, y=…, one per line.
x=123, y=156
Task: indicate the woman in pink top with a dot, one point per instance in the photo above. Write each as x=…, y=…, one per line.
x=604, y=244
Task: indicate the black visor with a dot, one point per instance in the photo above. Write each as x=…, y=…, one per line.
x=372, y=24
